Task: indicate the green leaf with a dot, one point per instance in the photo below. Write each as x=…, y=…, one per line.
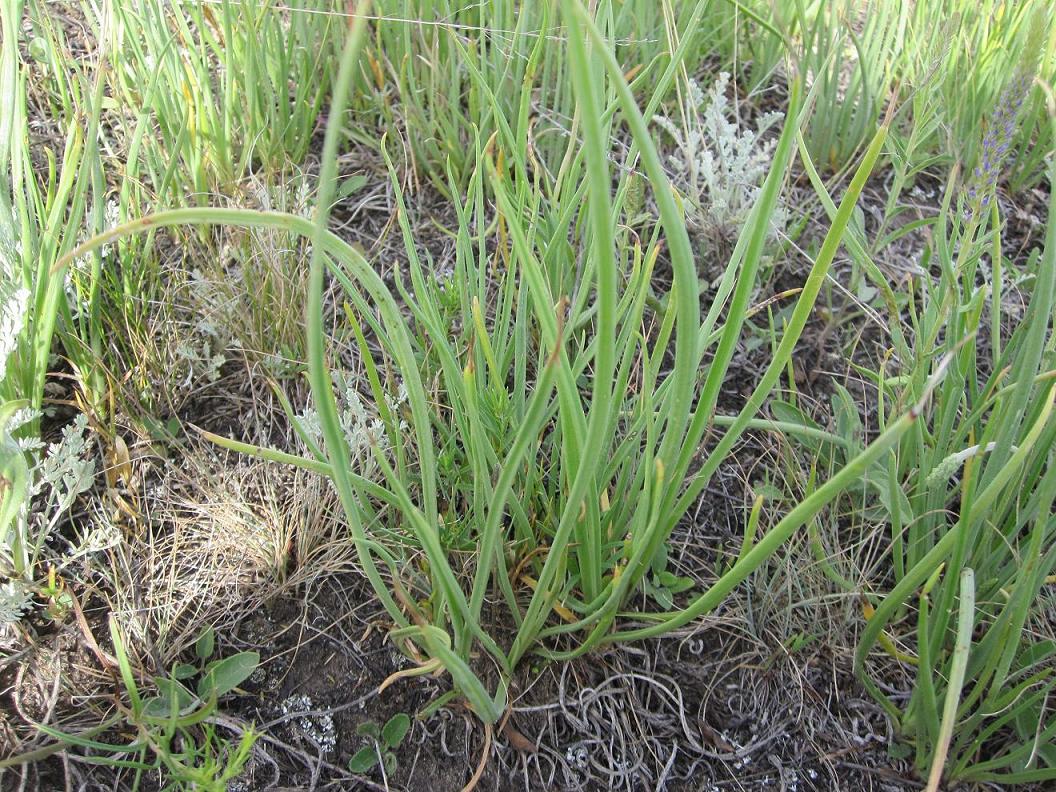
x=800, y=640
x=174, y=699
x=396, y=729
x=224, y=675
x=351, y=186
x=38, y=49
x=666, y=579
x=789, y=413
x=363, y=760
x=1047, y=751
x=769, y=492
x=389, y=760
x=1036, y=653
x=660, y=595
x=673, y=582
x=369, y=729
x=888, y=495
x=205, y=644
x=659, y=562
x=899, y=750
x=848, y=422
x=434, y=706
x=681, y=584
x=184, y=671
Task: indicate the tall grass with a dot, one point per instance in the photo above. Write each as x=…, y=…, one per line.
x=978, y=482
x=219, y=89
x=967, y=494
x=446, y=71
x=530, y=451
x=42, y=205
x=543, y=409
x=851, y=52
x=44, y=200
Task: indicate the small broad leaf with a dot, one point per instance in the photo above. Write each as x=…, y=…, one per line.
x=363, y=760
x=205, y=644
x=173, y=696
x=769, y=492
x=789, y=413
x=157, y=707
x=224, y=675
x=666, y=579
x=184, y=671
x=38, y=50
x=681, y=584
x=898, y=750
x=659, y=561
x=369, y=729
x=396, y=729
x=659, y=594
x=389, y=760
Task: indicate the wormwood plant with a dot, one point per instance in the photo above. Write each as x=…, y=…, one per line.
x=546, y=455
x=718, y=166
x=53, y=479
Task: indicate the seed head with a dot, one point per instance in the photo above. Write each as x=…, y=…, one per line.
x=1001, y=125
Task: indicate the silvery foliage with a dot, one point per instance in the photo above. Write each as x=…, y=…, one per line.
x=65, y=471
x=15, y=600
x=362, y=428
x=202, y=351
x=13, y=303
x=59, y=475
x=14, y=297
x=718, y=167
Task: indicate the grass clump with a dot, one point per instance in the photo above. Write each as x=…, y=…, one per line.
x=507, y=429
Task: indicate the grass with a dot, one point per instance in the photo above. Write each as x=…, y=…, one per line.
x=519, y=422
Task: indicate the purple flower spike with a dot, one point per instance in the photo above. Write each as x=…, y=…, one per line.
x=1001, y=125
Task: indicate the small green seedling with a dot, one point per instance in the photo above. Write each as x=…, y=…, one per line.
x=663, y=585
x=383, y=743
x=171, y=733
x=215, y=678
